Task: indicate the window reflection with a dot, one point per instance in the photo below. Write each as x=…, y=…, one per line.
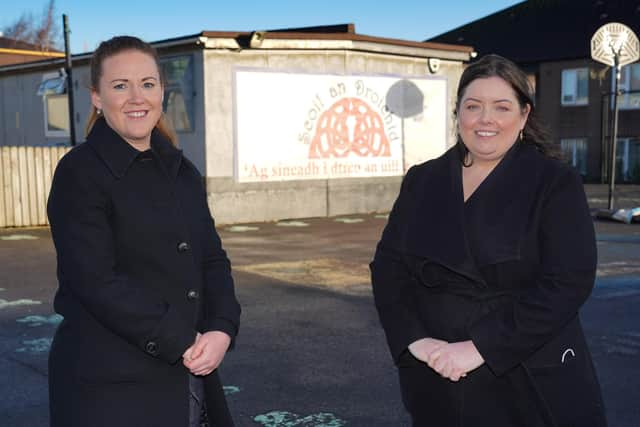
x=575, y=153
x=178, y=91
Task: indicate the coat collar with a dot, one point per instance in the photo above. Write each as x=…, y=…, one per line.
x=498, y=212
x=442, y=229
x=118, y=155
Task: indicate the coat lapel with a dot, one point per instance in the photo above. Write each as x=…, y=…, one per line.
x=118, y=155
x=436, y=226
x=170, y=156
x=496, y=216
x=114, y=151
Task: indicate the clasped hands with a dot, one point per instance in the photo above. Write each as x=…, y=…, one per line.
x=206, y=353
x=450, y=360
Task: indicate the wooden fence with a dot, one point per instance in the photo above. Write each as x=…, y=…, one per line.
x=25, y=180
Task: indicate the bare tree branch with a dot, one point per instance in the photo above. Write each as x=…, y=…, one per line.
x=44, y=33
x=21, y=29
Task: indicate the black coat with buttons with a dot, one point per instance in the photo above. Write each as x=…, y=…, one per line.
x=508, y=269
x=141, y=270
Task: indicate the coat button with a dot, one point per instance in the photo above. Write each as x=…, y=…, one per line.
x=151, y=348
x=183, y=247
x=192, y=294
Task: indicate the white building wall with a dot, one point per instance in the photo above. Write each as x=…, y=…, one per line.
x=231, y=201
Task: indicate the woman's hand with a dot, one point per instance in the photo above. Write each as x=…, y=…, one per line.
x=455, y=360
x=422, y=348
x=207, y=353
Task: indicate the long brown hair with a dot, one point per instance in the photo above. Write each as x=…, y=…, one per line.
x=115, y=46
x=534, y=132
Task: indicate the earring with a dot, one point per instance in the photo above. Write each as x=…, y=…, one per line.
x=521, y=134
x=98, y=111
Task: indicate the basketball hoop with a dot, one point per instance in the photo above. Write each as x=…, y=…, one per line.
x=616, y=45
x=615, y=39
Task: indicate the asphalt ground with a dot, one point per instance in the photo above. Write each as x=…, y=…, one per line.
x=310, y=351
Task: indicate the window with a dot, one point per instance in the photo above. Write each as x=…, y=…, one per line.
x=56, y=105
x=575, y=153
x=178, y=91
x=630, y=87
x=575, y=87
x=628, y=160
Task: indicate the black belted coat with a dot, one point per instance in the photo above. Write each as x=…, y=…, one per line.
x=141, y=269
x=508, y=269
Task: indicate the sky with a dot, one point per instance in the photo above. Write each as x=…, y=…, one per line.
x=94, y=21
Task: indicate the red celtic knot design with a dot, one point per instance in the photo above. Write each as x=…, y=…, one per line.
x=349, y=126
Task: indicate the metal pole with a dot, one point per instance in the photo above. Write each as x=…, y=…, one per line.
x=404, y=166
x=67, y=55
x=614, y=133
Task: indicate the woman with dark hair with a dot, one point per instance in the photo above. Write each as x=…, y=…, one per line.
x=145, y=287
x=487, y=257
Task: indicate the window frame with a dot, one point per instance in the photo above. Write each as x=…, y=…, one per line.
x=624, y=100
x=190, y=110
x=577, y=102
x=623, y=145
x=575, y=141
x=48, y=133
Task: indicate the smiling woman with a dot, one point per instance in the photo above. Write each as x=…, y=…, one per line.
x=129, y=95
x=127, y=90
x=490, y=119
x=145, y=287
x=486, y=259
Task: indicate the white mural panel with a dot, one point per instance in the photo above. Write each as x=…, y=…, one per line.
x=292, y=126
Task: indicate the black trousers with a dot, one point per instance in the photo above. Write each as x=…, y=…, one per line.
x=479, y=399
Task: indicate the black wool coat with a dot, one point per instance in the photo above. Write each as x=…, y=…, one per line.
x=141, y=269
x=508, y=269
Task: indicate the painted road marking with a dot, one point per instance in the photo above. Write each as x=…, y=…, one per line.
x=288, y=419
x=618, y=294
x=242, y=228
x=18, y=237
x=628, y=342
x=38, y=345
x=618, y=268
x=382, y=216
x=4, y=303
x=619, y=349
x=348, y=220
x=230, y=389
x=624, y=343
x=33, y=321
x=292, y=224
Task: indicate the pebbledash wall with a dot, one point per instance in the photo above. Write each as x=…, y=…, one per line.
x=288, y=124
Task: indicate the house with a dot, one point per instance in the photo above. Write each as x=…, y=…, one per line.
x=550, y=39
x=293, y=123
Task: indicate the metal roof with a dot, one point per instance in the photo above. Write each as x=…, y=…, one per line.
x=342, y=36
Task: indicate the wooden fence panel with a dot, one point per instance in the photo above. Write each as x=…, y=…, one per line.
x=41, y=196
x=15, y=185
x=31, y=177
x=7, y=188
x=3, y=205
x=25, y=181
